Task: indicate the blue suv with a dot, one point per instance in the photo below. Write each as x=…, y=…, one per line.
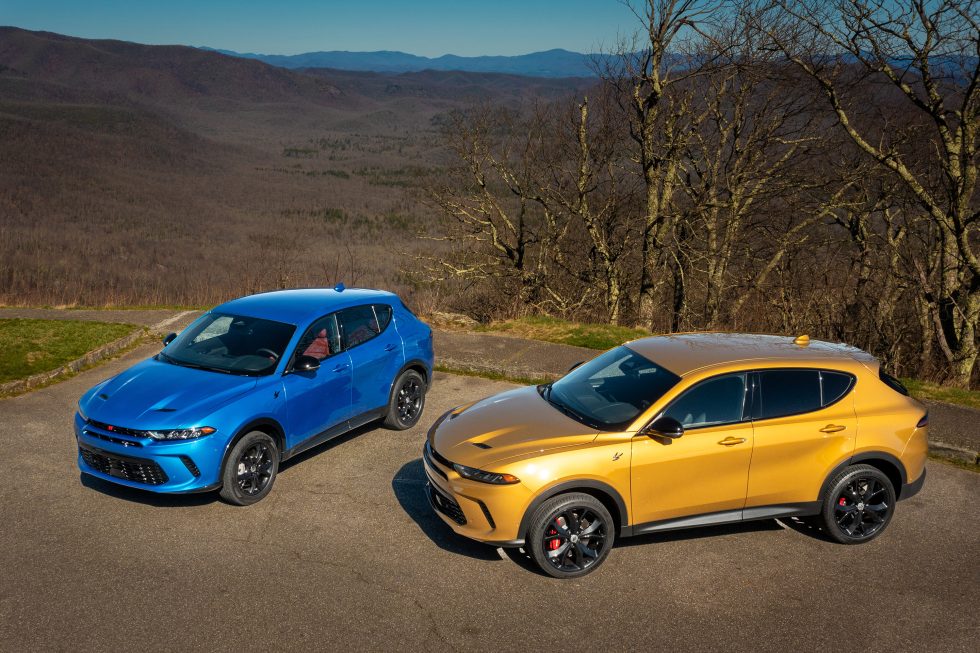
x=252, y=383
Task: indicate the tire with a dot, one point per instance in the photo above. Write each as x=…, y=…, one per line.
x=859, y=505
x=407, y=401
x=555, y=535
x=250, y=469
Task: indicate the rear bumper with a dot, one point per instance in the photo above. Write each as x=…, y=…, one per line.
x=909, y=490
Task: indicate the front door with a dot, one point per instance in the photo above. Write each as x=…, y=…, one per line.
x=320, y=399
x=705, y=470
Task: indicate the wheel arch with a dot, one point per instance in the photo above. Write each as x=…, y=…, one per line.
x=267, y=425
x=886, y=463
x=419, y=366
x=603, y=492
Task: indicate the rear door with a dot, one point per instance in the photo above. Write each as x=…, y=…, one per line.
x=376, y=355
x=804, y=425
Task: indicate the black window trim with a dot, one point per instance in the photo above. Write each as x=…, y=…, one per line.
x=757, y=396
x=747, y=401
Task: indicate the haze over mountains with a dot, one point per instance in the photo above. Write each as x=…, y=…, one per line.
x=194, y=175
x=550, y=63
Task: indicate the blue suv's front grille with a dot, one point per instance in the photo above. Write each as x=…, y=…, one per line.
x=109, y=438
x=138, y=470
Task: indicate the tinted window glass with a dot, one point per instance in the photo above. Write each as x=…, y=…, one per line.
x=611, y=390
x=892, y=382
x=712, y=402
x=383, y=313
x=320, y=340
x=358, y=325
x=230, y=343
x=835, y=386
x=788, y=392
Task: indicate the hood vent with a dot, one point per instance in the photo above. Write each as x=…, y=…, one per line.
x=481, y=445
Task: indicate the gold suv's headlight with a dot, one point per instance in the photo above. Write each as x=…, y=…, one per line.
x=493, y=478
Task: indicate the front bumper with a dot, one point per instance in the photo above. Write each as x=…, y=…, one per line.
x=480, y=511
x=147, y=464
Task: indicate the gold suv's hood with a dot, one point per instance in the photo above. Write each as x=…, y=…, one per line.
x=505, y=426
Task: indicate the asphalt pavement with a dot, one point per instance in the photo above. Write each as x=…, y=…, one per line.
x=345, y=555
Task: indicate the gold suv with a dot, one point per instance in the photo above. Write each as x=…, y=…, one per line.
x=676, y=431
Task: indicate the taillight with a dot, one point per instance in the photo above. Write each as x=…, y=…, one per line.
x=924, y=422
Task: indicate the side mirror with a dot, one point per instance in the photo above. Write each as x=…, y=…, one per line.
x=170, y=337
x=574, y=365
x=665, y=427
x=305, y=364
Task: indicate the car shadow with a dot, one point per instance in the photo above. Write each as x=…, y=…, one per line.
x=409, y=488
x=146, y=497
x=522, y=558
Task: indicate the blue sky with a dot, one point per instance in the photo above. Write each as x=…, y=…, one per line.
x=424, y=27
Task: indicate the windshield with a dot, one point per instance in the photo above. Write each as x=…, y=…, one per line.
x=611, y=390
x=232, y=344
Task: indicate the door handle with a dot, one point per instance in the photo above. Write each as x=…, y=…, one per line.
x=731, y=441
x=341, y=368
x=391, y=346
x=833, y=428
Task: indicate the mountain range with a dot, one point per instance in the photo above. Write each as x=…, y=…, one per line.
x=549, y=63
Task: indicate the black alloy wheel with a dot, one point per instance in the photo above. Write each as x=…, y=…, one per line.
x=407, y=401
x=859, y=505
x=570, y=535
x=250, y=469
x=254, y=469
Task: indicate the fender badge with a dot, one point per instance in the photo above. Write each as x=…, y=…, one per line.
x=617, y=456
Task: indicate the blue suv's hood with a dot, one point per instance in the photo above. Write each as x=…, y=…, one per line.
x=154, y=394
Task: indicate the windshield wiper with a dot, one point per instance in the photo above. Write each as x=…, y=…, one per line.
x=182, y=363
x=545, y=392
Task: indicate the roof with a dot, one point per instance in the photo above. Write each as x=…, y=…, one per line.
x=683, y=353
x=300, y=305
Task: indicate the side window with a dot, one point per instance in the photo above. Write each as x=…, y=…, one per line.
x=834, y=385
x=710, y=403
x=383, y=313
x=788, y=392
x=320, y=340
x=358, y=325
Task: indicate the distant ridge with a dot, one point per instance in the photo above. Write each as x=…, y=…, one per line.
x=550, y=63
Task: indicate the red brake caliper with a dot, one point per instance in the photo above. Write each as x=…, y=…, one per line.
x=553, y=544
x=842, y=501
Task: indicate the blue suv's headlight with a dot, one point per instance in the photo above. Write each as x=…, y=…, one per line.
x=180, y=434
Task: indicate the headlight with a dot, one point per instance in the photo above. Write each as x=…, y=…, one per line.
x=81, y=413
x=180, y=434
x=474, y=474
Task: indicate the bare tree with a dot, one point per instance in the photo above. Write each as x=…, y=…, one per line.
x=928, y=52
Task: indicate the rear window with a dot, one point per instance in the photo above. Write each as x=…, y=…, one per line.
x=892, y=382
x=788, y=392
x=383, y=312
x=835, y=385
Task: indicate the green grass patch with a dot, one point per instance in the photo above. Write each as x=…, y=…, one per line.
x=956, y=462
x=33, y=346
x=493, y=376
x=579, y=334
x=936, y=392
